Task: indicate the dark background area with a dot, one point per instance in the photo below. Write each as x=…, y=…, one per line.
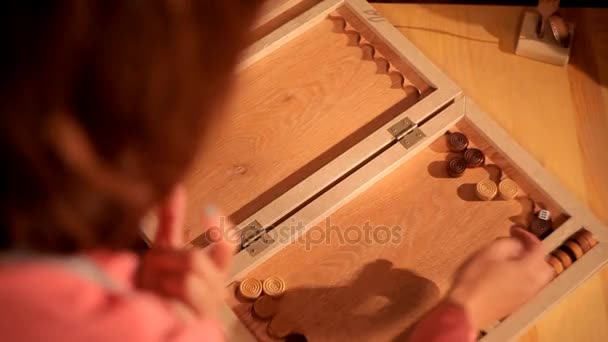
x=564, y=3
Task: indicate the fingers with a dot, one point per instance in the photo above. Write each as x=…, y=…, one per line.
x=174, y=261
x=521, y=244
x=189, y=276
x=505, y=248
x=531, y=243
x=221, y=253
x=194, y=277
x=171, y=220
x=200, y=294
x=533, y=257
x=221, y=249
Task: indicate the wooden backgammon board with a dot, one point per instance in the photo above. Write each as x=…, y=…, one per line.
x=360, y=176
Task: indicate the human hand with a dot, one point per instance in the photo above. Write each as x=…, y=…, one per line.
x=194, y=278
x=501, y=277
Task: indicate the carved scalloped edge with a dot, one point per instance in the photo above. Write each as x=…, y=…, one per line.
x=371, y=53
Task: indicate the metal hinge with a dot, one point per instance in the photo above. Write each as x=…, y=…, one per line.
x=255, y=239
x=406, y=132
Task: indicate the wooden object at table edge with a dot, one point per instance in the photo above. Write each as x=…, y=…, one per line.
x=542, y=49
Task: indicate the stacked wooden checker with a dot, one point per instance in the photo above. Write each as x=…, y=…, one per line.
x=274, y=286
x=458, y=142
x=471, y=157
x=456, y=167
x=474, y=157
x=250, y=289
x=486, y=189
x=573, y=249
x=265, y=307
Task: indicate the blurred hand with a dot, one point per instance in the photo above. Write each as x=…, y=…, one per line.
x=501, y=277
x=193, y=278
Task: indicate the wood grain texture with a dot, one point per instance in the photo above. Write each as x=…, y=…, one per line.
x=344, y=191
x=275, y=13
x=557, y=114
x=529, y=166
x=293, y=111
x=348, y=286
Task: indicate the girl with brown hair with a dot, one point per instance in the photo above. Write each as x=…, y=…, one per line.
x=104, y=104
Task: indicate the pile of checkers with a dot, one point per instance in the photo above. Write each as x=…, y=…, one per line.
x=560, y=259
x=486, y=189
x=265, y=296
x=573, y=249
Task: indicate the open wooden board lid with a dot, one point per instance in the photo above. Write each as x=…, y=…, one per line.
x=321, y=89
x=275, y=13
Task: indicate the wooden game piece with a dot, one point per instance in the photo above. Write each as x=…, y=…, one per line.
x=265, y=307
x=250, y=289
x=486, y=190
x=507, y=189
x=541, y=225
x=574, y=248
x=556, y=264
x=474, y=157
x=541, y=228
x=563, y=257
x=458, y=142
x=274, y=286
x=280, y=326
x=582, y=242
x=570, y=254
x=587, y=235
x=456, y=167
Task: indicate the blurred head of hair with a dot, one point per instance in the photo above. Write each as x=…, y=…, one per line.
x=103, y=105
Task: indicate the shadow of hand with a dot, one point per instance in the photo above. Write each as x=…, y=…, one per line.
x=381, y=301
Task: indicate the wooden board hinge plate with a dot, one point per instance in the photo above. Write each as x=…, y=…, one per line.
x=406, y=132
x=412, y=138
x=255, y=239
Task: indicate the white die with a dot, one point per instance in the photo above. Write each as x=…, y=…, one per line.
x=544, y=215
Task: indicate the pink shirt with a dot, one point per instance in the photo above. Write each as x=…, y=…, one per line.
x=447, y=322
x=92, y=298
x=87, y=298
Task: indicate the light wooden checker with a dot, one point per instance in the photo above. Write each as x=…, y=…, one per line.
x=250, y=289
x=507, y=189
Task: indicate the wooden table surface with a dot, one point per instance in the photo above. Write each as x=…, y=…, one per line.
x=559, y=114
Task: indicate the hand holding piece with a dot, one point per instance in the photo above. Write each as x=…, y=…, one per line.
x=193, y=279
x=501, y=277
